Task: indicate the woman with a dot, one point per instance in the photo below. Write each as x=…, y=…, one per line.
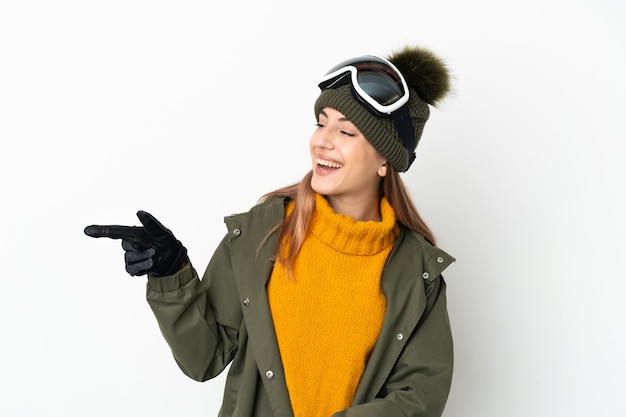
x=326, y=298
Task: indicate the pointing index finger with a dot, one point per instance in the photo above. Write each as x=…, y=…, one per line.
x=113, y=232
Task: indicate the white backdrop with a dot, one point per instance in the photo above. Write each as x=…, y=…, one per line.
x=191, y=110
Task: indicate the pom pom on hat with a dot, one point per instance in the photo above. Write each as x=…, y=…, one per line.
x=428, y=81
x=423, y=71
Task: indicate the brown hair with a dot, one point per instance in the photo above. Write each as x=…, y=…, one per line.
x=293, y=228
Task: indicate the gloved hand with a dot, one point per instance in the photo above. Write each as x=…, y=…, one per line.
x=149, y=249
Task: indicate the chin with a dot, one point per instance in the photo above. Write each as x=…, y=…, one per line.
x=319, y=187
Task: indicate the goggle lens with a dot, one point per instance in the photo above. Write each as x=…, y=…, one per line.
x=375, y=80
x=385, y=91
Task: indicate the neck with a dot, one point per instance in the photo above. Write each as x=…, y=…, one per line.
x=360, y=209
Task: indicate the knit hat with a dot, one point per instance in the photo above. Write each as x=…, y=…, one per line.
x=428, y=81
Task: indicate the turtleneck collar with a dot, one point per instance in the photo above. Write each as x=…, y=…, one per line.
x=350, y=236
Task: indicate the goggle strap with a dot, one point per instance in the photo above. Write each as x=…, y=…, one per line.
x=402, y=121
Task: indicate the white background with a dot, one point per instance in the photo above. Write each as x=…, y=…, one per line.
x=192, y=110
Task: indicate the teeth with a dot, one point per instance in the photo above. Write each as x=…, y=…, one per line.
x=329, y=164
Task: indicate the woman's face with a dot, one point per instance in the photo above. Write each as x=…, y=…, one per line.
x=346, y=167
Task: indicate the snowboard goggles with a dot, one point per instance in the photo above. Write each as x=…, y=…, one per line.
x=376, y=82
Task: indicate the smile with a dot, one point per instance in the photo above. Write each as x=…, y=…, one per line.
x=328, y=164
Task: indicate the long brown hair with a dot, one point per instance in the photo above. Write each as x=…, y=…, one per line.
x=293, y=228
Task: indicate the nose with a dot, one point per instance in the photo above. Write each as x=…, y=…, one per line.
x=322, y=139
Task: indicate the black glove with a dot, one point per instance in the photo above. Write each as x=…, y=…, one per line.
x=149, y=249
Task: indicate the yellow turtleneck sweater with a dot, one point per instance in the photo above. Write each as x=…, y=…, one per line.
x=329, y=315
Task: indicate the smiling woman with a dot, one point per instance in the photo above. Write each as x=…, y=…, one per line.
x=326, y=298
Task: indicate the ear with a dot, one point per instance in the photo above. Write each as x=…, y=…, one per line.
x=382, y=169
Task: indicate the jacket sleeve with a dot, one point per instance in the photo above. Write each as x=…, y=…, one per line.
x=420, y=380
x=199, y=319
